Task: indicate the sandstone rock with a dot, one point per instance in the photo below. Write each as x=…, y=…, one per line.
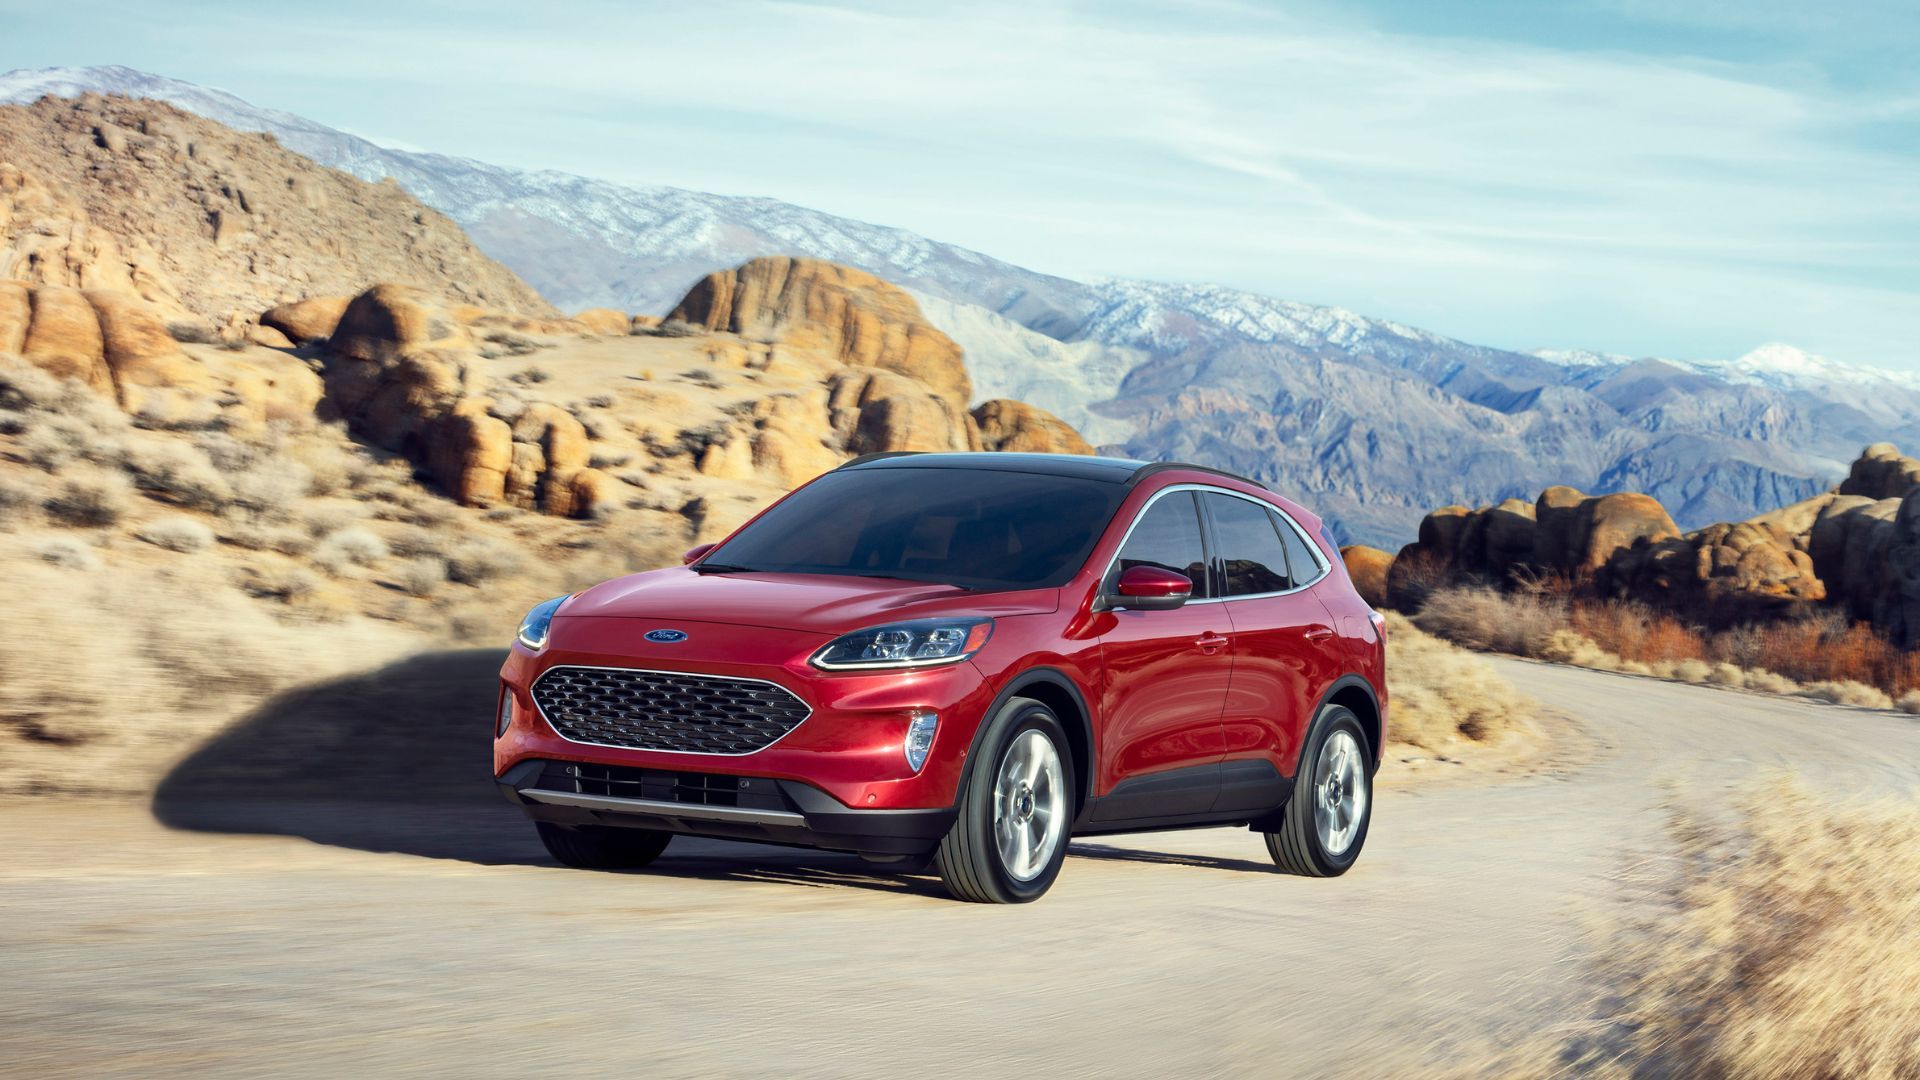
x=1882, y=472
x=845, y=313
x=470, y=453
x=1016, y=427
x=63, y=337
x=728, y=460
x=141, y=357
x=1607, y=523
x=388, y=321
x=589, y=493
x=267, y=337
x=789, y=444
x=1722, y=574
x=603, y=321
x=306, y=321
x=1368, y=567
x=876, y=411
x=642, y=323
x=1898, y=609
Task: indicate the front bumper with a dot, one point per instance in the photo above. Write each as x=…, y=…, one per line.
x=849, y=749
x=726, y=807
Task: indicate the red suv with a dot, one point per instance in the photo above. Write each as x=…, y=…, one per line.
x=968, y=657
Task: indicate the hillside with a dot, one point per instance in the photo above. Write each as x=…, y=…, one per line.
x=199, y=219
x=1369, y=419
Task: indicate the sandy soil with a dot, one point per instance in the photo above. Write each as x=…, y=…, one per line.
x=437, y=938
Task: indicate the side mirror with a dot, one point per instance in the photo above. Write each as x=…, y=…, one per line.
x=1149, y=588
x=693, y=554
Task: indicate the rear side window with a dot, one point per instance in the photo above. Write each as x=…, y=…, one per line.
x=1305, y=561
x=1168, y=536
x=1251, y=552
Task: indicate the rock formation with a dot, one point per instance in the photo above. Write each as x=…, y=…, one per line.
x=306, y=321
x=193, y=217
x=847, y=314
x=112, y=342
x=1017, y=427
x=400, y=369
x=1368, y=567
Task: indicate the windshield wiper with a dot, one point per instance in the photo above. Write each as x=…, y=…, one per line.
x=897, y=577
x=719, y=568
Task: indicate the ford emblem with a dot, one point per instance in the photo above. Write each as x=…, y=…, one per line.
x=667, y=637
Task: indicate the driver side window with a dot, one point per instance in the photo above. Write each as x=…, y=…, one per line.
x=1168, y=537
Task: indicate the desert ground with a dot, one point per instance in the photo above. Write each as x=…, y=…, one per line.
x=231, y=929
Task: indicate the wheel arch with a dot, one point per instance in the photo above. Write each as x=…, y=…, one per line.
x=1358, y=696
x=1056, y=690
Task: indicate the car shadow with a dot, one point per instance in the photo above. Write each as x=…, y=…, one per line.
x=397, y=760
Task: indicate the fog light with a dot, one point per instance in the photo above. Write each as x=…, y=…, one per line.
x=506, y=712
x=920, y=725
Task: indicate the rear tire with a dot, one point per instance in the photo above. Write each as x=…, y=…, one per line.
x=1325, y=822
x=600, y=847
x=1017, y=797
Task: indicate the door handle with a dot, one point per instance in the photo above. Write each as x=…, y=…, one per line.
x=1319, y=633
x=1210, y=642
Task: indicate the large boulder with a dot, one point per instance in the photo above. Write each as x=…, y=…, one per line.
x=1898, y=610
x=877, y=411
x=1607, y=523
x=1368, y=567
x=848, y=314
x=1017, y=427
x=1882, y=472
x=1723, y=573
x=389, y=321
x=113, y=342
x=306, y=321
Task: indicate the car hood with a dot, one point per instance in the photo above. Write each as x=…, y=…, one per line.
x=817, y=603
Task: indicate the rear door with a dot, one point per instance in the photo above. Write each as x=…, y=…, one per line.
x=1284, y=646
x=1167, y=675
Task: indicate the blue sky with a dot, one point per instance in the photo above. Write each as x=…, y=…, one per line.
x=1625, y=175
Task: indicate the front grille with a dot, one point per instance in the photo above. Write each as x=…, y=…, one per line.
x=662, y=785
x=666, y=710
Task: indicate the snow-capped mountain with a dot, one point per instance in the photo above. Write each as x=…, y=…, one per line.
x=1373, y=420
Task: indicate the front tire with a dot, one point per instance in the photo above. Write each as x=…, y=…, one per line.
x=601, y=847
x=1016, y=811
x=1326, y=818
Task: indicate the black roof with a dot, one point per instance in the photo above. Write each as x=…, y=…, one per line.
x=1111, y=470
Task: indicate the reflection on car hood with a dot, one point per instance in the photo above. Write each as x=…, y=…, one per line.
x=817, y=603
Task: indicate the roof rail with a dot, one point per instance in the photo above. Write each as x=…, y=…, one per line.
x=864, y=458
x=1152, y=468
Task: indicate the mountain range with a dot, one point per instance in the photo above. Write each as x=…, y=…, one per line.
x=1371, y=421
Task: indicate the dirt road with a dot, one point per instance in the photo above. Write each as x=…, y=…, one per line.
x=441, y=940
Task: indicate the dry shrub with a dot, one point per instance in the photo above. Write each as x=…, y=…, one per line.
x=348, y=547
x=422, y=576
x=477, y=561
x=1847, y=692
x=1785, y=954
x=1443, y=695
x=1484, y=618
x=177, y=534
x=91, y=500
x=272, y=487
x=178, y=473
x=410, y=541
x=68, y=554
x=284, y=583
x=1637, y=632
x=19, y=502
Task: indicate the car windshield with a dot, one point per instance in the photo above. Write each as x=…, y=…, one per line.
x=977, y=529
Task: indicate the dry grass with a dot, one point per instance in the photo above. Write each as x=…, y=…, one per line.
x=1824, y=658
x=1443, y=697
x=177, y=534
x=1785, y=951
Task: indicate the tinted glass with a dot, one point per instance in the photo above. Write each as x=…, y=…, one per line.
x=1250, y=550
x=1168, y=536
x=1301, y=557
x=980, y=530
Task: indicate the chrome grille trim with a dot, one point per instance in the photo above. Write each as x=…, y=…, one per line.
x=677, y=811
x=546, y=708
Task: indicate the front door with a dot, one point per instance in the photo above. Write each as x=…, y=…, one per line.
x=1166, y=678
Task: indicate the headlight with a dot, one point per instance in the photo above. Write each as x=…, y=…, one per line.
x=921, y=643
x=533, y=628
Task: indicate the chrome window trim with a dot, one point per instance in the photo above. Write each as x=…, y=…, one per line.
x=551, y=726
x=1319, y=560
